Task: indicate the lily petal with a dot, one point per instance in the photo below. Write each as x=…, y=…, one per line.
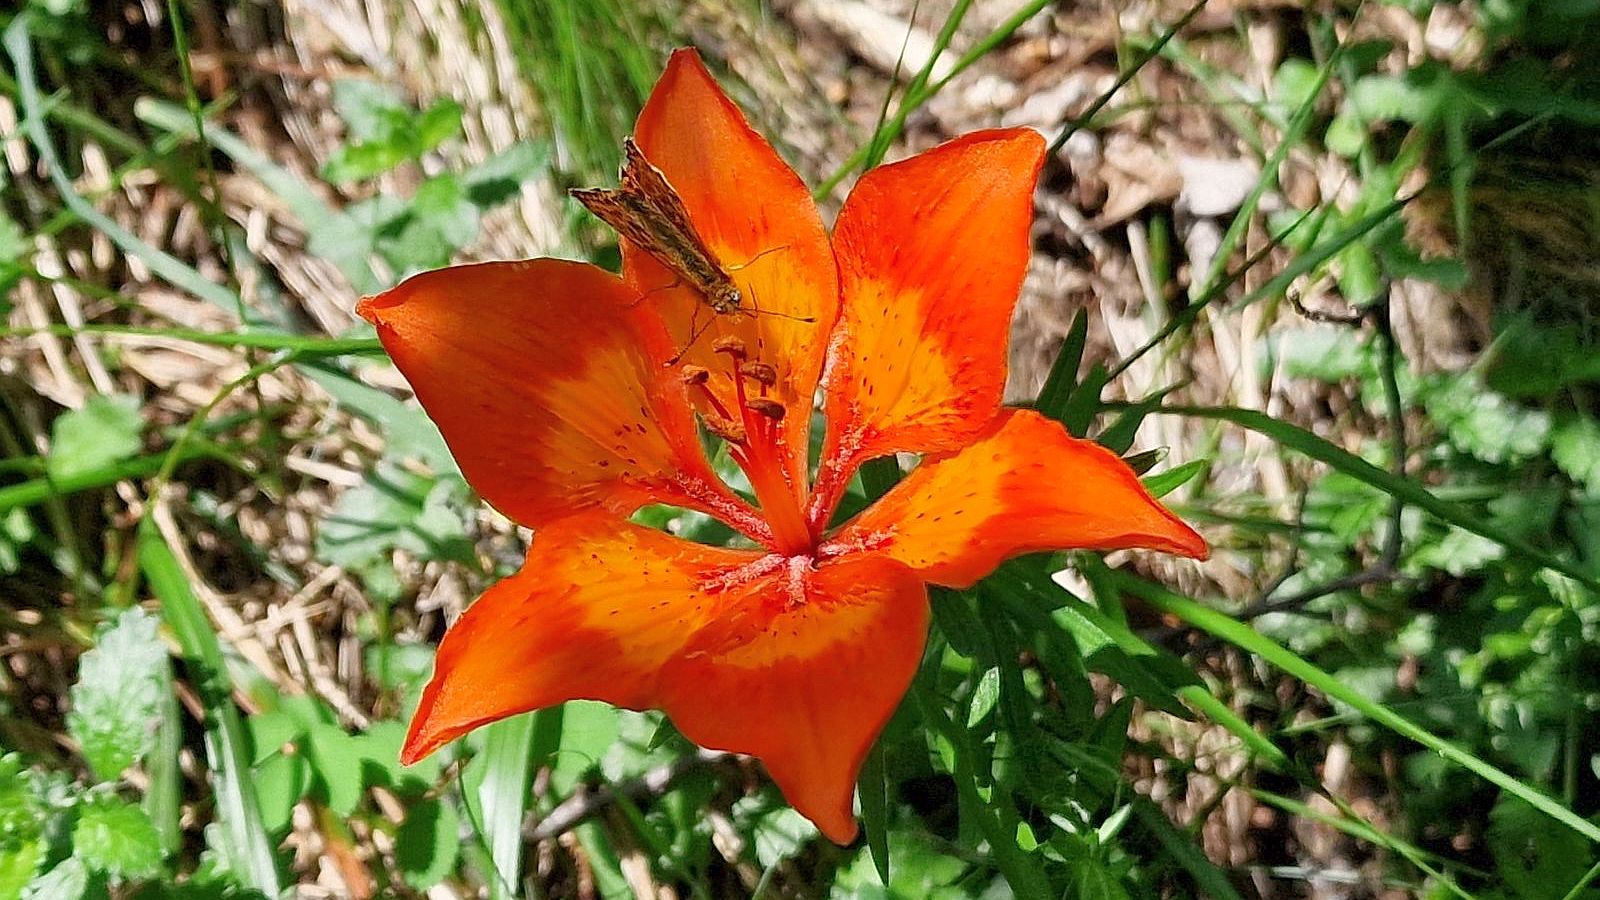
x=540, y=376
x=599, y=606
x=1026, y=486
x=796, y=664
x=932, y=252
x=803, y=674
x=758, y=219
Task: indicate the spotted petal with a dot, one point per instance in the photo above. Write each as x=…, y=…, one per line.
x=541, y=378
x=932, y=252
x=758, y=219
x=1025, y=486
x=795, y=664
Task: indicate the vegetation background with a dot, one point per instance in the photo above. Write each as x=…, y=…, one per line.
x=1329, y=272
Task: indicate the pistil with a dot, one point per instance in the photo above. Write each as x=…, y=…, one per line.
x=751, y=430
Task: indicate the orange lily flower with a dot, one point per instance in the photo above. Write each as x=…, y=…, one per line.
x=559, y=389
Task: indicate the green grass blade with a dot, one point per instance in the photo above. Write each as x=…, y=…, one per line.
x=1341, y=460
x=1246, y=638
x=1150, y=53
x=1063, y=378
x=19, y=46
x=873, y=787
x=503, y=797
x=1364, y=832
x=1212, y=881
x=1021, y=869
x=163, y=796
x=38, y=490
x=1268, y=180
x=250, y=848
x=889, y=130
x=305, y=346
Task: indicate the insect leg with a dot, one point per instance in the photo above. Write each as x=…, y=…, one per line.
x=694, y=335
x=751, y=261
x=655, y=290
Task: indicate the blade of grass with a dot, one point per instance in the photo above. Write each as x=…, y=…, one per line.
x=1341, y=460
x=1246, y=638
x=1021, y=870
x=873, y=787
x=38, y=490
x=503, y=795
x=1132, y=71
x=1268, y=180
x=250, y=848
x=18, y=45
x=163, y=795
x=883, y=137
x=911, y=102
x=1212, y=881
x=306, y=346
x=1363, y=832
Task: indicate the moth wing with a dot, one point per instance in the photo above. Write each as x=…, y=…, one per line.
x=629, y=215
x=641, y=177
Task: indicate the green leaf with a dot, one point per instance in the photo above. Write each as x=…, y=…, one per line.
x=23, y=812
x=427, y=843
x=336, y=770
x=782, y=834
x=1575, y=447
x=1483, y=423
x=395, y=508
x=500, y=177
x=355, y=162
x=1164, y=483
x=106, y=430
x=1062, y=381
x=19, y=863
x=437, y=124
x=1533, y=858
x=1095, y=881
x=873, y=788
x=367, y=107
x=16, y=531
x=443, y=204
x=281, y=781
x=500, y=780
x=1079, y=409
x=587, y=728
x=1323, y=352
x=116, y=838
x=116, y=703
x=1146, y=460
x=69, y=880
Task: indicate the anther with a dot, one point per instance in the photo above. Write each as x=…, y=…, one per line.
x=731, y=346
x=772, y=409
x=728, y=430
x=696, y=375
x=761, y=373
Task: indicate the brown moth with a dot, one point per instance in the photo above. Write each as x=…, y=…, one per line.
x=646, y=211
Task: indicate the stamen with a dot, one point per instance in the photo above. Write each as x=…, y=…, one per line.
x=695, y=376
x=759, y=372
x=725, y=428
x=772, y=409
x=731, y=346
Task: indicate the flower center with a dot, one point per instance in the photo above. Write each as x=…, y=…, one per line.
x=752, y=430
